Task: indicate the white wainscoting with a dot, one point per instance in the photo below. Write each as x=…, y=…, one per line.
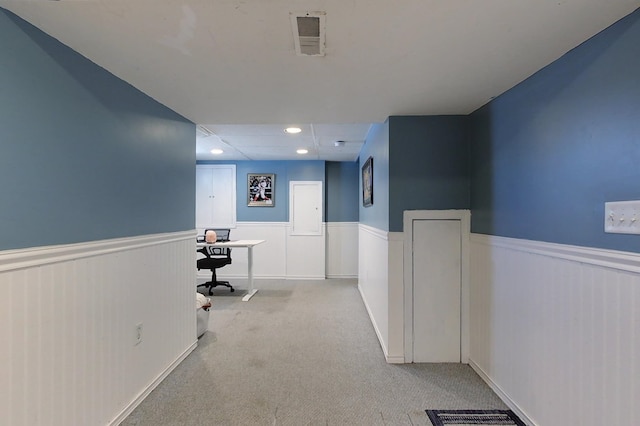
x=396, y=349
x=269, y=258
x=285, y=256
x=381, y=285
x=342, y=250
x=373, y=283
x=380, y=281
x=306, y=256
x=555, y=330
x=67, y=326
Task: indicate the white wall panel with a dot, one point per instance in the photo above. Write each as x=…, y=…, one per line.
x=342, y=250
x=293, y=257
x=373, y=280
x=306, y=256
x=269, y=258
x=556, y=331
x=67, y=325
x=395, y=279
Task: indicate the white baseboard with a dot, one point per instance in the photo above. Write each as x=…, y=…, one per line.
x=206, y=276
x=394, y=359
x=501, y=394
x=373, y=322
x=305, y=277
x=133, y=404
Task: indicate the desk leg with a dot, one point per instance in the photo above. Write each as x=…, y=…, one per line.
x=252, y=291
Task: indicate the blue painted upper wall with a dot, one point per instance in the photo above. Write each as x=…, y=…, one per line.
x=84, y=156
x=285, y=172
x=340, y=180
x=419, y=163
x=342, y=191
x=548, y=154
x=428, y=165
x=377, y=147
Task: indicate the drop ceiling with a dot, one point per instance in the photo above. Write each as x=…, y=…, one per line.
x=231, y=65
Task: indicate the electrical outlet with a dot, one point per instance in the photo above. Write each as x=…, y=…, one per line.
x=138, y=334
x=622, y=217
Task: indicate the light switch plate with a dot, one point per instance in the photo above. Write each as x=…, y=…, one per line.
x=622, y=217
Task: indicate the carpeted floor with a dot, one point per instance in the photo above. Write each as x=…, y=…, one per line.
x=302, y=353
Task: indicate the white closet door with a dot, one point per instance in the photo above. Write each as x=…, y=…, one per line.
x=305, y=207
x=436, y=290
x=216, y=196
x=305, y=239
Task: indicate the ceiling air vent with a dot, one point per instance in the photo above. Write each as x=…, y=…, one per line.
x=308, y=33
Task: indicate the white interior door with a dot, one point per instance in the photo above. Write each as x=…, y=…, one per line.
x=305, y=240
x=436, y=290
x=305, y=207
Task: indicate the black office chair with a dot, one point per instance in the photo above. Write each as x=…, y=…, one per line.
x=216, y=257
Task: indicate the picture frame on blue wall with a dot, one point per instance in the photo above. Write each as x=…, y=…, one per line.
x=367, y=182
x=261, y=189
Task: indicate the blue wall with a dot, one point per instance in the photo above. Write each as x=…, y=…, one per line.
x=419, y=163
x=341, y=191
x=377, y=147
x=83, y=155
x=340, y=181
x=429, y=165
x=550, y=152
x=285, y=172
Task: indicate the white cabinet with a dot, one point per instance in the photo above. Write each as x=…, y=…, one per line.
x=216, y=196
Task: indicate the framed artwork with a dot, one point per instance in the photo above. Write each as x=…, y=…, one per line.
x=261, y=188
x=367, y=182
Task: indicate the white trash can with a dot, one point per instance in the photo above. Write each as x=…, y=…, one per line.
x=202, y=313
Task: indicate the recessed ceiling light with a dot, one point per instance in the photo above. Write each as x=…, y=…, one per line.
x=293, y=130
x=302, y=151
x=216, y=151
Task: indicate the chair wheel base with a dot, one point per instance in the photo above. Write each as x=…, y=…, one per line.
x=210, y=286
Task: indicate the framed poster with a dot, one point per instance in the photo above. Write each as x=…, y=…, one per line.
x=261, y=189
x=367, y=182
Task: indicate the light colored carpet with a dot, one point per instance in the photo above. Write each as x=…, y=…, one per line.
x=302, y=353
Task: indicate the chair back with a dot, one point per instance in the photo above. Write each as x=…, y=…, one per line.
x=217, y=251
x=222, y=235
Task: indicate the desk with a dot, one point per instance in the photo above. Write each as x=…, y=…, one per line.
x=248, y=244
